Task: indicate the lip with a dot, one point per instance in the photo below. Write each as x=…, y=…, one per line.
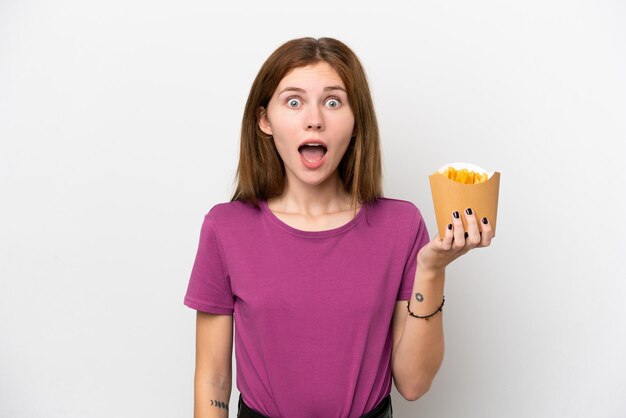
x=318, y=163
x=314, y=141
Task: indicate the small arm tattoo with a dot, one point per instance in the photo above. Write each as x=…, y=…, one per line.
x=219, y=404
x=419, y=297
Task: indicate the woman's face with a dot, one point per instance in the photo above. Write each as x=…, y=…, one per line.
x=310, y=104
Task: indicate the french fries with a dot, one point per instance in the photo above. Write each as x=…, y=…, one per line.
x=464, y=175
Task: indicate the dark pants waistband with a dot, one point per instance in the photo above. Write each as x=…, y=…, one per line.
x=382, y=410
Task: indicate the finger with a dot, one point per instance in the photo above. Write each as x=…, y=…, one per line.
x=472, y=235
x=446, y=242
x=487, y=232
x=458, y=241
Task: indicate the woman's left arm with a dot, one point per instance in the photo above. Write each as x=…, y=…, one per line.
x=418, y=343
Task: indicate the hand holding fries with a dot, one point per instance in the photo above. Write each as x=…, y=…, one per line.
x=456, y=241
x=457, y=186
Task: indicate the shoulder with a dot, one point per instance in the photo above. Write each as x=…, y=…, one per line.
x=234, y=213
x=231, y=209
x=397, y=208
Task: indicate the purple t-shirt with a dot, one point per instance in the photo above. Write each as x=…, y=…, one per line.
x=312, y=309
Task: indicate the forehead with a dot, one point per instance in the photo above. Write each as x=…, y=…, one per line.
x=319, y=74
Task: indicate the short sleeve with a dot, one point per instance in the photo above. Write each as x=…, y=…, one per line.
x=209, y=287
x=418, y=237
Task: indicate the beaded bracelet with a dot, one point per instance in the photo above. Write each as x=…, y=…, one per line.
x=427, y=316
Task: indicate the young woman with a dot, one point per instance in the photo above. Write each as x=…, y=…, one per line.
x=332, y=288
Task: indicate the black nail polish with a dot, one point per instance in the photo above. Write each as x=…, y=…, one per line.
x=466, y=235
x=450, y=226
x=485, y=221
x=468, y=211
x=456, y=214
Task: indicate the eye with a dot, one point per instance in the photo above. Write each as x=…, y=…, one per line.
x=293, y=102
x=333, y=102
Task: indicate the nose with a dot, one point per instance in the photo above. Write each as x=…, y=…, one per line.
x=314, y=120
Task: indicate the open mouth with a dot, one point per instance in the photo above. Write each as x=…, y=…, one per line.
x=312, y=152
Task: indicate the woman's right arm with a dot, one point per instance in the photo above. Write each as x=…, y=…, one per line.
x=213, y=374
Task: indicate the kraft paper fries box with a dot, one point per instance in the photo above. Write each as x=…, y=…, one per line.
x=450, y=195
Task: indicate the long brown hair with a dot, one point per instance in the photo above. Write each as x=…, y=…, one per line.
x=261, y=171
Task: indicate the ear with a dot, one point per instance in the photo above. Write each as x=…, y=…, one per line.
x=264, y=123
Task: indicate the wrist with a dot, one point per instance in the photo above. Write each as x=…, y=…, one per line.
x=427, y=274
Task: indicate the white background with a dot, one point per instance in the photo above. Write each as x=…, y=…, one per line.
x=119, y=129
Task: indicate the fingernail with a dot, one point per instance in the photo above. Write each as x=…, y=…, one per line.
x=456, y=214
x=466, y=235
x=484, y=221
x=449, y=226
x=468, y=211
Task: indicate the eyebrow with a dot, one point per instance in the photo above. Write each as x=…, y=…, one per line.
x=299, y=90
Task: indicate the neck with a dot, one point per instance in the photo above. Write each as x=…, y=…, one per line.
x=312, y=200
